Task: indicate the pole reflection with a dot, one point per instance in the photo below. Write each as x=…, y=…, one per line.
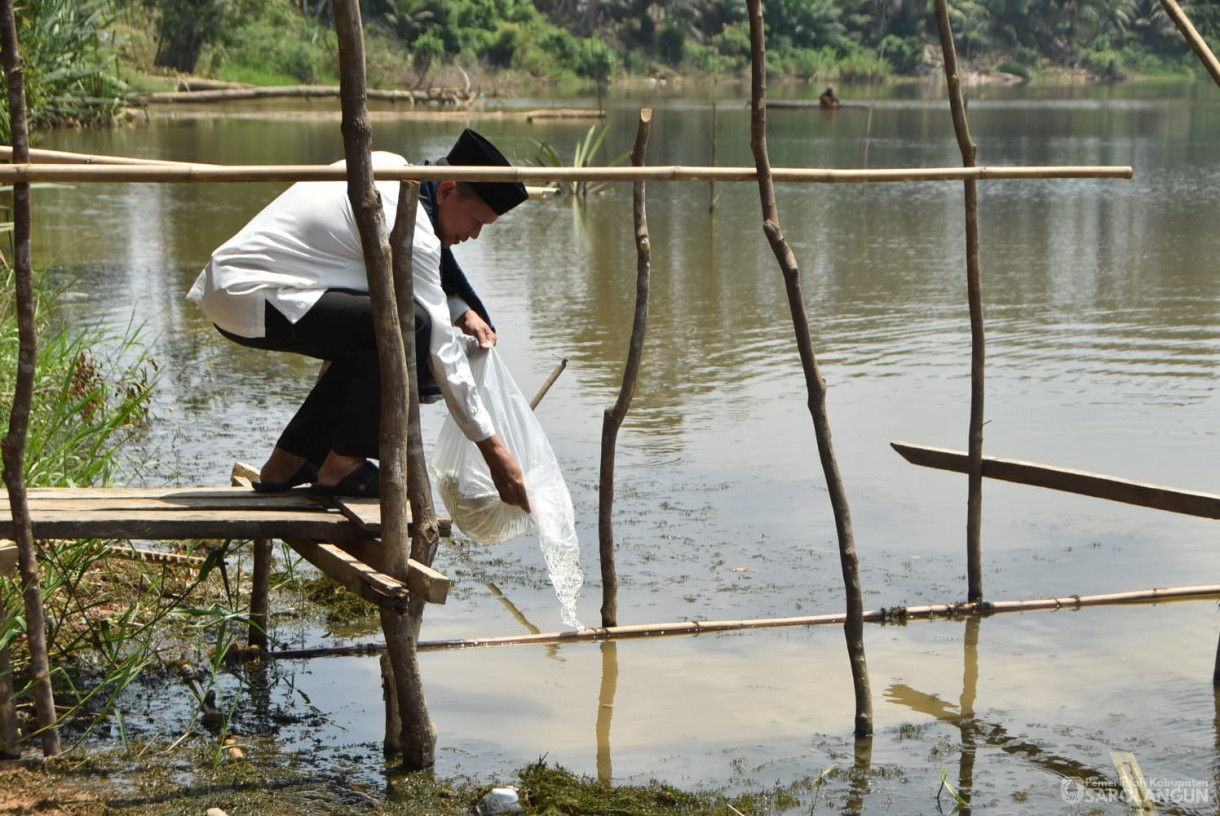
x=605, y=710
x=976, y=732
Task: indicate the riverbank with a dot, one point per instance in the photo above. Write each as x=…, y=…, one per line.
x=147, y=780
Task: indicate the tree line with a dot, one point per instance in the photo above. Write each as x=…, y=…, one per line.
x=84, y=57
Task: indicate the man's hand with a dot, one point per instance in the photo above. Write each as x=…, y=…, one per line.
x=472, y=324
x=505, y=472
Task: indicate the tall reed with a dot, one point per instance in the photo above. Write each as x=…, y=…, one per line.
x=104, y=627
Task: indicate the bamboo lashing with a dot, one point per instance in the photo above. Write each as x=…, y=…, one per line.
x=899, y=614
x=196, y=173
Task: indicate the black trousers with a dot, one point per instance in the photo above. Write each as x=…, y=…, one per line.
x=343, y=411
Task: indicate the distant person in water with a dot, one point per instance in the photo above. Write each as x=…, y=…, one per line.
x=294, y=279
x=828, y=98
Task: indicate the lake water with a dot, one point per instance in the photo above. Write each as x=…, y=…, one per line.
x=1103, y=338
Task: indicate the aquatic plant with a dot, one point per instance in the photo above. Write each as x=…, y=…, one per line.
x=586, y=149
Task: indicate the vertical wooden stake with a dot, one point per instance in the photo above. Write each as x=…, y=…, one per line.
x=612, y=420
x=815, y=386
x=974, y=289
x=260, y=591
x=711, y=185
x=10, y=740
x=1216, y=670
x=418, y=737
x=14, y=443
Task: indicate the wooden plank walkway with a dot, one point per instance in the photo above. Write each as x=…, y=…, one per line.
x=195, y=512
x=338, y=536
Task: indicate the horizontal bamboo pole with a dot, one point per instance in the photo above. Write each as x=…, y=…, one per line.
x=296, y=92
x=949, y=611
x=179, y=173
x=43, y=156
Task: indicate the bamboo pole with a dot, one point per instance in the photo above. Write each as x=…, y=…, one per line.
x=546, y=386
x=13, y=446
x=815, y=386
x=884, y=615
x=1196, y=41
x=452, y=95
x=612, y=418
x=202, y=173
x=974, y=290
x=418, y=740
x=41, y=155
x=711, y=185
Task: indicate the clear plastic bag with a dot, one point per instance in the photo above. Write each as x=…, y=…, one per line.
x=470, y=496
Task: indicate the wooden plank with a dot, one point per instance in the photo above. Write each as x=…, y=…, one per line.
x=367, y=514
x=218, y=497
x=422, y=580
x=206, y=512
x=8, y=557
x=126, y=524
x=147, y=492
x=357, y=576
x=1112, y=488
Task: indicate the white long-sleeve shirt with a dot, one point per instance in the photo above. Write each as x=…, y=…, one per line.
x=305, y=242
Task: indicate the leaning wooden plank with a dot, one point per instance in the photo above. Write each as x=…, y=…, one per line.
x=357, y=576
x=1143, y=494
x=8, y=557
x=425, y=582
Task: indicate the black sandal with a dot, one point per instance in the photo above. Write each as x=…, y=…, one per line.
x=362, y=483
x=305, y=474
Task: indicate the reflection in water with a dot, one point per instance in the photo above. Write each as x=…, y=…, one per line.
x=975, y=731
x=552, y=650
x=861, y=774
x=970, y=688
x=605, y=710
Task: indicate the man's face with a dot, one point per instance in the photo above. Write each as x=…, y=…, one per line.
x=460, y=213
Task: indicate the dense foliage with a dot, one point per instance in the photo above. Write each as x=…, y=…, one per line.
x=69, y=58
x=76, y=50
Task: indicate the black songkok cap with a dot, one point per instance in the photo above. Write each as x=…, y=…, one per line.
x=473, y=149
